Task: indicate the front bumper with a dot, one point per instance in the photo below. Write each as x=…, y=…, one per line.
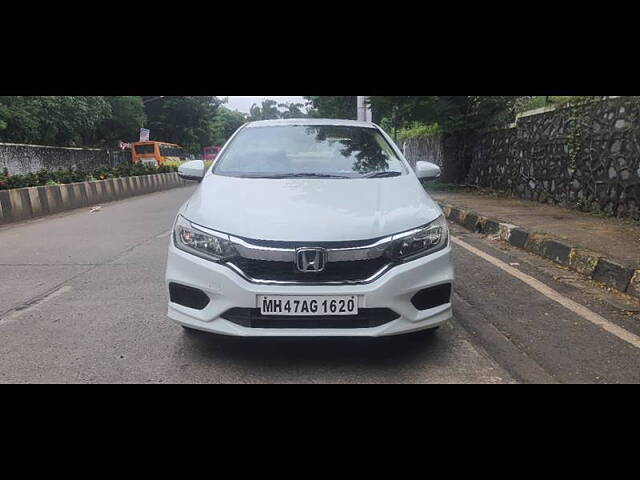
x=226, y=290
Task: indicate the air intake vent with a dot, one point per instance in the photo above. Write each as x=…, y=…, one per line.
x=432, y=297
x=366, y=318
x=187, y=296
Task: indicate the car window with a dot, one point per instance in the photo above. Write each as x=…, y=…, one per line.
x=341, y=151
x=144, y=149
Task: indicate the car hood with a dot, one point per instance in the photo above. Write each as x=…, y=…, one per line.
x=311, y=209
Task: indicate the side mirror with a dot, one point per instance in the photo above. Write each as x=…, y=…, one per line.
x=193, y=170
x=427, y=170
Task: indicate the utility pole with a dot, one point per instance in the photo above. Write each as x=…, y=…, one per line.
x=364, y=110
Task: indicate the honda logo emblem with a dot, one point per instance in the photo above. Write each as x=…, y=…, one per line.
x=311, y=259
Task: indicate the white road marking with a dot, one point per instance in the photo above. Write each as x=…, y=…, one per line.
x=548, y=292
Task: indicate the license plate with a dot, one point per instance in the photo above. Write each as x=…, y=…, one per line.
x=307, y=305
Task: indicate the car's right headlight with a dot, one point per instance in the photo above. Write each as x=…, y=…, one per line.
x=419, y=242
x=188, y=237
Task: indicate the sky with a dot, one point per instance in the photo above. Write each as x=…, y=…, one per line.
x=243, y=104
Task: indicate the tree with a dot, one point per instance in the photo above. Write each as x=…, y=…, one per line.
x=401, y=111
x=183, y=120
x=267, y=111
x=4, y=115
x=291, y=110
x=225, y=123
x=71, y=121
x=19, y=119
x=332, y=107
x=101, y=121
x=460, y=118
x=255, y=113
x=53, y=120
x=127, y=117
x=270, y=110
x=452, y=113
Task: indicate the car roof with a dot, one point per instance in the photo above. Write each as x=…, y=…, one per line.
x=309, y=121
x=146, y=142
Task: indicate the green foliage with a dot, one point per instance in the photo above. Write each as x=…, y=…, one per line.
x=533, y=102
x=291, y=110
x=458, y=117
x=69, y=121
x=127, y=117
x=52, y=120
x=224, y=124
x=4, y=179
x=183, y=120
x=73, y=175
x=399, y=112
x=580, y=126
x=270, y=110
x=332, y=107
x=418, y=130
x=4, y=114
x=92, y=121
x=452, y=113
x=267, y=111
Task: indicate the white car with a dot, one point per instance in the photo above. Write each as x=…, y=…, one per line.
x=310, y=228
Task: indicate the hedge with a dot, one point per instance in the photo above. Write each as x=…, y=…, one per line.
x=73, y=175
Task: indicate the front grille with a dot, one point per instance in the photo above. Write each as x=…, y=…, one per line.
x=351, y=271
x=366, y=318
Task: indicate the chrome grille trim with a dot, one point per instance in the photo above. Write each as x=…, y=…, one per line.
x=247, y=249
x=258, y=252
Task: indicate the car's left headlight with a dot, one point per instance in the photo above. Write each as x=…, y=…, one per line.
x=193, y=240
x=421, y=241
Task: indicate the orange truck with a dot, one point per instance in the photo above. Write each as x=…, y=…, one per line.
x=156, y=153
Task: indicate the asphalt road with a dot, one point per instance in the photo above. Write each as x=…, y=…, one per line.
x=82, y=300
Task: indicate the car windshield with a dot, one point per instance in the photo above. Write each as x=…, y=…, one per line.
x=309, y=151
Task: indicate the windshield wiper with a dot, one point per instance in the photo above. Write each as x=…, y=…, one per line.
x=304, y=175
x=383, y=174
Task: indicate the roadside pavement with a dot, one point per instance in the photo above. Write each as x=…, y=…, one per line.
x=604, y=249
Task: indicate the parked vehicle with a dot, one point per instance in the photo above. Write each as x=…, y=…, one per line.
x=310, y=228
x=210, y=153
x=156, y=153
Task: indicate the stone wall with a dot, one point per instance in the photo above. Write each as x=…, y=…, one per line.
x=585, y=157
x=20, y=159
x=428, y=148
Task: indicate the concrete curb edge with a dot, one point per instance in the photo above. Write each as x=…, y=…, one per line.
x=33, y=202
x=585, y=262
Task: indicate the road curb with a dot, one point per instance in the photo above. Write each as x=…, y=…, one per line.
x=33, y=202
x=593, y=265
